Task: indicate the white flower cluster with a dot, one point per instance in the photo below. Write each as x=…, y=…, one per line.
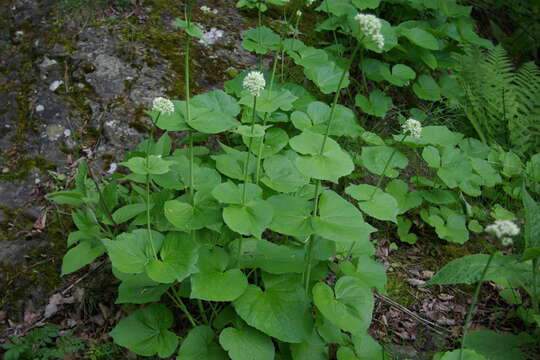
x=412, y=127
x=254, y=83
x=205, y=9
x=164, y=106
x=503, y=230
x=371, y=27
x=298, y=13
x=310, y=2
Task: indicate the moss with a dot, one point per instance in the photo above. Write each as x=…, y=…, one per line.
x=24, y=166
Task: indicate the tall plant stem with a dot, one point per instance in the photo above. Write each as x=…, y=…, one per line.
x=534, y=297
x=150, y=139
x=180, y=304
x=188, y=95
x=246, y=163
x=309, y=240
x=379, y=182
x=265, y=119
x=473, y=304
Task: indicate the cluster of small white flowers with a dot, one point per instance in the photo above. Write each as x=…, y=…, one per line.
x=298, y=13
x=371, y=27
x=164, y=106
x=412, y=127
x=503, y=230
x=205, y=9
x=254, y=83
x=310, y=2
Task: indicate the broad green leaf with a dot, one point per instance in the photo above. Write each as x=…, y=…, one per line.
x=440, y=135
x=214, y=282
x=274, y=140
x=233, y=162
x=448, y=224
x=532, y=225
x=366, y=347
x=404, y=226
x=421, y=38
x=247, y=131
x=468, y=270
x=366, y=4
x=282, y=310
x=191, y=28
x=406, y=199
x=438, y=196
x=400, y=75
x=426, y=88
x=315, y=119
x=177, y=259
x=171, y=122
x=200, y=344
x=346, y=353
x=131, y=252
x=270, y=257
x=374, y=158
x=374, y=202
x=340, y=221
x=260, y=40
x=292, y=215
x=467, y=355
x=213, y=112
x=204, y=212
x=432, y=156
x=337, y=7
x=270, y=101
x=139, y=289
x=249, y=219
x=368, y=270
x=145, y=332
x=231, y=193
x=329, y=164
x=313, y=348
x=378, y=104
x=281, y=173
x=246, y=344
x=81, y=255
x=128, y=212
x=349, y=305
x=153, y=165
x=327, y=76
x=495, y=346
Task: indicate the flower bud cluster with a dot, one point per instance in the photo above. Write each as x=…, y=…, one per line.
x=412, y=127
x=371, y=27
x=254, y=83
x=164, y=106
x=503, y=230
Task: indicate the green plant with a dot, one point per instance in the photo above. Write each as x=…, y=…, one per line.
x=502, y=104
x=42, y=344
x=508, y=271
x=254, y=244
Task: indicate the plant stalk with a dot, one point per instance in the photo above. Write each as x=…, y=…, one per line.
x=534, y=296
x=468, y=319
x=309, y=240
x=379, y=182
x=246, y=163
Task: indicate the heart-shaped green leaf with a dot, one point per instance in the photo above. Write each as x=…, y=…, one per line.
x=246, y=344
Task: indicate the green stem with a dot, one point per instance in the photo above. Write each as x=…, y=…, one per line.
x=246, y=163
x=178, y=302
x=265, y=119
x=473, y=304
x=534, y=296
x=201, y=310
x=150, y=139
x=379, y=182
x=309, y=240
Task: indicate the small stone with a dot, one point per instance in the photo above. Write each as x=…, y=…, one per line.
x=55, y=85
x=37, y=181
x=5, y=170
x=47, y=62
x=112, y=168
x=67, y=133
x=40, y=108
x=19, y=33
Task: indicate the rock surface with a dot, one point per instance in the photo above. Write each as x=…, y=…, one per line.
x=76, y=84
